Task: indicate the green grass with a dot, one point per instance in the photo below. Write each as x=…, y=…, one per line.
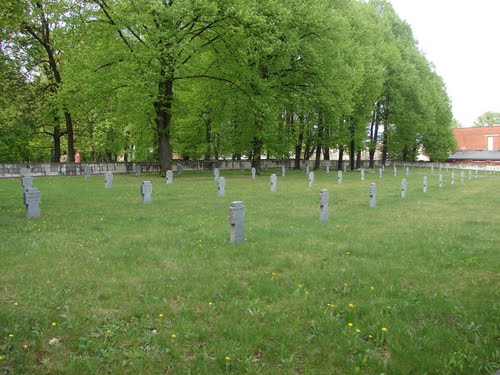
x=103, y=267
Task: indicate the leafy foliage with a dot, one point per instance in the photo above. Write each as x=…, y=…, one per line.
x=196, y=79
x=488, y=119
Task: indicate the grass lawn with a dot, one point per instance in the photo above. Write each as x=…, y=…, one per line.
x=101, y=283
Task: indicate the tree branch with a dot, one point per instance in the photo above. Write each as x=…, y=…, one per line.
x=103, y=5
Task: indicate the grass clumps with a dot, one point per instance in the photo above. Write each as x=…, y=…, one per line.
x=101, y=283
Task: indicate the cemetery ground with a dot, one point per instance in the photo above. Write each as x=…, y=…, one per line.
x=102, y=283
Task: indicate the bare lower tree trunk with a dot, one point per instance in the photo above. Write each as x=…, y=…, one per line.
x=352, y=154
x=319, y=142
x=256, y=153
x=56, y=136
x=341, y=156
x=298, y=152
x=374, y=135
x=208, y=139
x=163, y=107
x=317, y=159
x=300, y=142
x=326, y=153
x=384, y=149
x=372, y=159
x=358, y=160
x=70, y=134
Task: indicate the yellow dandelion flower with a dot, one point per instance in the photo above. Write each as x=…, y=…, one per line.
x=226, y=358
x=210, y=303
x=384, y=329
x=351, y=306
x=358, y=331
x=370, y=336
x=349, y=324
x=11, y=335
x=274, y=273
x=173, y=335
x=1, y=358
x=16, y=304
x=54, y=324
x=372, y=288
x=25, y=346
x=108, y=331
x=160, y=315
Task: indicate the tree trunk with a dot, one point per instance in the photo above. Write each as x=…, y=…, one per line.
x=309, y=148
x=326, y=152
x=208, y=138
x=319, y=141
x=56, y=136
x=372, y=158
x=70, y=134
x=358, y=160
x=300, y=142
x=216, y=149
x=374, y=136
x=47, y=44
x=317, y=159
x=341, y=156
x=256, y=153
x=298, y=151
x=352, y=154
x=163, y=107
x=384, y=149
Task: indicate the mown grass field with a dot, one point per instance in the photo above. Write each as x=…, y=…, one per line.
x=410, y=287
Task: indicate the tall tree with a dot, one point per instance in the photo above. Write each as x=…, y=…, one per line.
x=163, y=38
x=32, y=29
x=488, y=119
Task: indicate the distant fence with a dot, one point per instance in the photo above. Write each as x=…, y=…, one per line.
x=77, y=169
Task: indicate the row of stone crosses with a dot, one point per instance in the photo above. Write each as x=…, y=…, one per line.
x=32, y=196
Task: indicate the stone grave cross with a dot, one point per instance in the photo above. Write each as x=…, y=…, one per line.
x=311, y=179
x=324, y=200
x=146, y=191
x=26, y=181
x=237, y=222
x=373, y=195
x=88, y=172
x=221, y=186
x=169, y=177
x=108, y=180
x=32, y=202
x=274, y=183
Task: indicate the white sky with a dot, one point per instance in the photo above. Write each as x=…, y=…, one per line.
x=462, y=39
